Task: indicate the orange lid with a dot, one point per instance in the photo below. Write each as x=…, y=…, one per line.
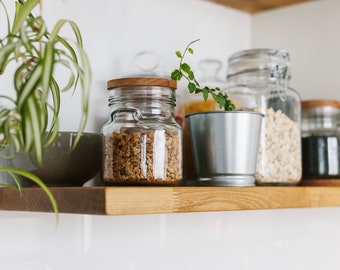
x=126, y=82
x=320, y=103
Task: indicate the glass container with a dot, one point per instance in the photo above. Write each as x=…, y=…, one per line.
x=258, y=81
x=142, y=142
x=320, y=139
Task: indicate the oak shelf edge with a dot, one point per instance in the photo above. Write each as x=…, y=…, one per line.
x=160, y=200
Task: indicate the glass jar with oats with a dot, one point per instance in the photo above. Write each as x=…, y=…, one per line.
x=142, y=142
x=258, y=81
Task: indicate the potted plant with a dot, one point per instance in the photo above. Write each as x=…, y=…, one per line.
x=29, y=119
x=225, y=142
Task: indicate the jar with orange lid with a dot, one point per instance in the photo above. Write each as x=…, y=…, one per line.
x=320, y=139
x=142, y=142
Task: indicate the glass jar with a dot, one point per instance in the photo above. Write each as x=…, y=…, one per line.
x=142, y=142
x=258, y=81
x=320, y=139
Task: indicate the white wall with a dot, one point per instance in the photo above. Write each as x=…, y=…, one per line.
x=311, y=33
x=114, y=31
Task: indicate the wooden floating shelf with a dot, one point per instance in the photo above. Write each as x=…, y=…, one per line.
x=158, y=200
x=254, y=6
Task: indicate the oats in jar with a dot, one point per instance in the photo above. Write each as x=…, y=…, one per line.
x=279, y=159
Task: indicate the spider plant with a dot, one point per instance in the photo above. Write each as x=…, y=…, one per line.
x=29, y=121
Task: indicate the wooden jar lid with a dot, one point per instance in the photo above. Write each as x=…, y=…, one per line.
x=126, y=82
x=320, y=103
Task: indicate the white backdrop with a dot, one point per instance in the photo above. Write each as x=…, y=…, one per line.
x=311, y=33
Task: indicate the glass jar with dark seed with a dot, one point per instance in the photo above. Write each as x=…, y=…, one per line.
x=320, y=139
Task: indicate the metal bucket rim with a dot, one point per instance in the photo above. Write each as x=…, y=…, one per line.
x=223, y=112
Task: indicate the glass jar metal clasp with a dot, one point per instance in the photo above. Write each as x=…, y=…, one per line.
x=280, y=72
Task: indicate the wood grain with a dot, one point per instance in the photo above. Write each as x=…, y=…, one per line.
x=141, y=81
x=320, y=182
x=253, y=6
x=141, y=200
x=75, y=200
x=158, y=200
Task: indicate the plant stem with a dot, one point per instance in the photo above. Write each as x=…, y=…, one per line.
x=194, y=87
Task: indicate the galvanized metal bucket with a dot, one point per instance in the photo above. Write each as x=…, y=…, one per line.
x=225, y=146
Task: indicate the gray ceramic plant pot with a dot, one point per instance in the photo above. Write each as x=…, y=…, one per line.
x=5, y=177
x=62, y=166
x=225, y=146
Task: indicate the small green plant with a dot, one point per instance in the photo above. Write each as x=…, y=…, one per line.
x=184, y=71
x=35, y=52
x=29, y=120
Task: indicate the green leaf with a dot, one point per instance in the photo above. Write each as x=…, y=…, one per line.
x=11, y=186
x=55, y=91
x=205, y=94
x=85, y=79
x=229, y=106
x=76, y=32
x=47, y=69
x=221, y=99
x=176, y=75
x=35, y=124
x=20, y=76
x=40, y=29
x=52, y=135
x=74, y=58
x=179, y=54
x=29, y=86
x=190, y=50
x=21, y=13
x=26, y=128
x=59, y=25
x=191, y=87
x=5, y=53
x=36, y=180
x=71, y=79
x=17, y=181
x=185, y=67
x=191, y=75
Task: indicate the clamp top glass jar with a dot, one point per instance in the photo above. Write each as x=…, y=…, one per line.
x=258, y=81
x=142, y=142
x=320, y=139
